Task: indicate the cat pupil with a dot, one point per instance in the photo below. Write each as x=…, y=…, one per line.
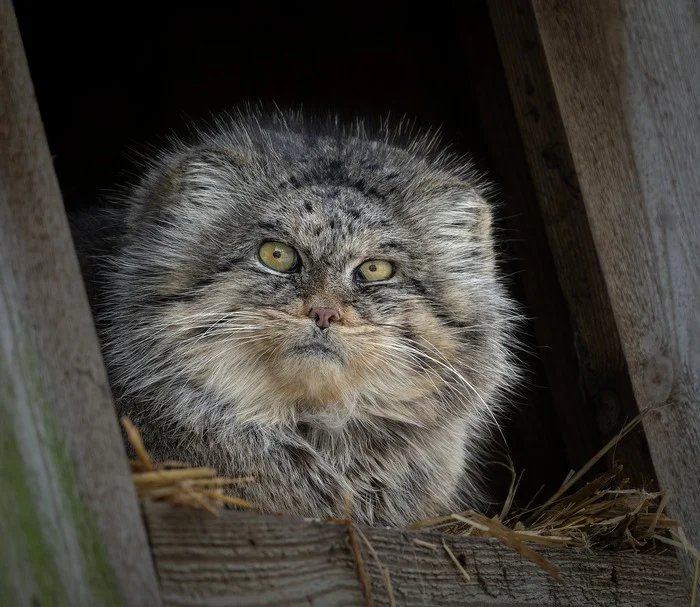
x=277, y=254
x=372, y=268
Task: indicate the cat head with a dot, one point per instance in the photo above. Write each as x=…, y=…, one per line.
x=292, y=274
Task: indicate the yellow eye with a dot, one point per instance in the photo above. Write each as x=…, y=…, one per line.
x=375, y=269
x=278, y=256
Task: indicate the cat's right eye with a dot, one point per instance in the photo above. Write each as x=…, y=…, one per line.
x=278, y=256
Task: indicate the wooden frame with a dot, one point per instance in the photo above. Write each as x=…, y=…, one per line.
x=614, y=86
x=249, y=559
x=69, y=520
x=618, y=111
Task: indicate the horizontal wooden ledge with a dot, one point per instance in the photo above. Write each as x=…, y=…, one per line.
x=244, y=558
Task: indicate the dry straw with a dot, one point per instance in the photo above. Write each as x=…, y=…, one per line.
x=177, y=483
x=605, y=513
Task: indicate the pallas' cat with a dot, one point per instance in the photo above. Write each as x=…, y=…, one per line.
x=311, y=305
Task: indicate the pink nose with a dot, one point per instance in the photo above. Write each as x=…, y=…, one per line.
x=324, y=316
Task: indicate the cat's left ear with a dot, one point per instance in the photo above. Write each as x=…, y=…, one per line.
x=456, y=207
x=455, y=212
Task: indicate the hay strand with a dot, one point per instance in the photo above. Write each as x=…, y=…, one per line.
x=456, y=562
x=594, y=460
x=424, y=544
x=176, y=482
x=386, y=576
x=365, y=581
x=134, y=436
x=604, y=513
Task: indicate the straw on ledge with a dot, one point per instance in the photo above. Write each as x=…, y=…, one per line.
x=177, y=483
x=605, y=513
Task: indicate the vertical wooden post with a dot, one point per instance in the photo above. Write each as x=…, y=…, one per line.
x=609, y=402
x=627, y=82
x=71, y=529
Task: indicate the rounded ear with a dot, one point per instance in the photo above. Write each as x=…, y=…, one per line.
x=186, y=178
x=455, y=215
x=453, y=206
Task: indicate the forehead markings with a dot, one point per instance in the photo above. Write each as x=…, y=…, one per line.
x=331, y=174
x=270, y=226
x=332, y=225
x=328, y=213
x=391, y=245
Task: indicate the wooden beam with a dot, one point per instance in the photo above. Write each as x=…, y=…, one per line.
x=243, y=558
x=70, y=524
x=603, y=371
x=627, y=82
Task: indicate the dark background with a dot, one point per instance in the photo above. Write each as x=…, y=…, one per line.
x=111, y=79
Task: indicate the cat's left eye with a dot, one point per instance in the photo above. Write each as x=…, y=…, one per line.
x=278, y=256
x=375, y=269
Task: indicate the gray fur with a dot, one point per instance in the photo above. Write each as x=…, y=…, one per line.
x=202, y=341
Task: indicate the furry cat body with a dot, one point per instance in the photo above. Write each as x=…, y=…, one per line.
x=213, y=354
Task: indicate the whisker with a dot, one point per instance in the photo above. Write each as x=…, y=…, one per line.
x=468, y=384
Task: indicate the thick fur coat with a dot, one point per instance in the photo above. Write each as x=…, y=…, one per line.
x=214, y=356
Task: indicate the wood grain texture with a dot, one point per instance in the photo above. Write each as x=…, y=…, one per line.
x=243, y=558
x=603, y=370
x=71, y=529
x=627, y=82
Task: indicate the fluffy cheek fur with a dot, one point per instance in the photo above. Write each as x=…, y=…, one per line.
x=260, y=365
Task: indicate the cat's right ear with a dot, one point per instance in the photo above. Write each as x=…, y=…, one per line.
x=190, y=178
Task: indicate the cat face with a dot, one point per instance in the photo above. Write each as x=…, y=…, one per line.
x=317, y=280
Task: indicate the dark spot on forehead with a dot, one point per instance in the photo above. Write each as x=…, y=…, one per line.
x=335, y=168
x=368, y=190
x=270, y=226
x=308, y=206
x=335, y=172
x=391, y=244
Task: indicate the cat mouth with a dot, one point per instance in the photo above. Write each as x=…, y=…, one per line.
x=319, y=349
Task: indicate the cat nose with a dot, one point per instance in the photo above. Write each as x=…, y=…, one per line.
x=324, y=316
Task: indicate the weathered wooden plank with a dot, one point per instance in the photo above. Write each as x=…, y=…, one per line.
x=627, y=82
x=604, y=374
x=69, y=520
x=243, y=558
